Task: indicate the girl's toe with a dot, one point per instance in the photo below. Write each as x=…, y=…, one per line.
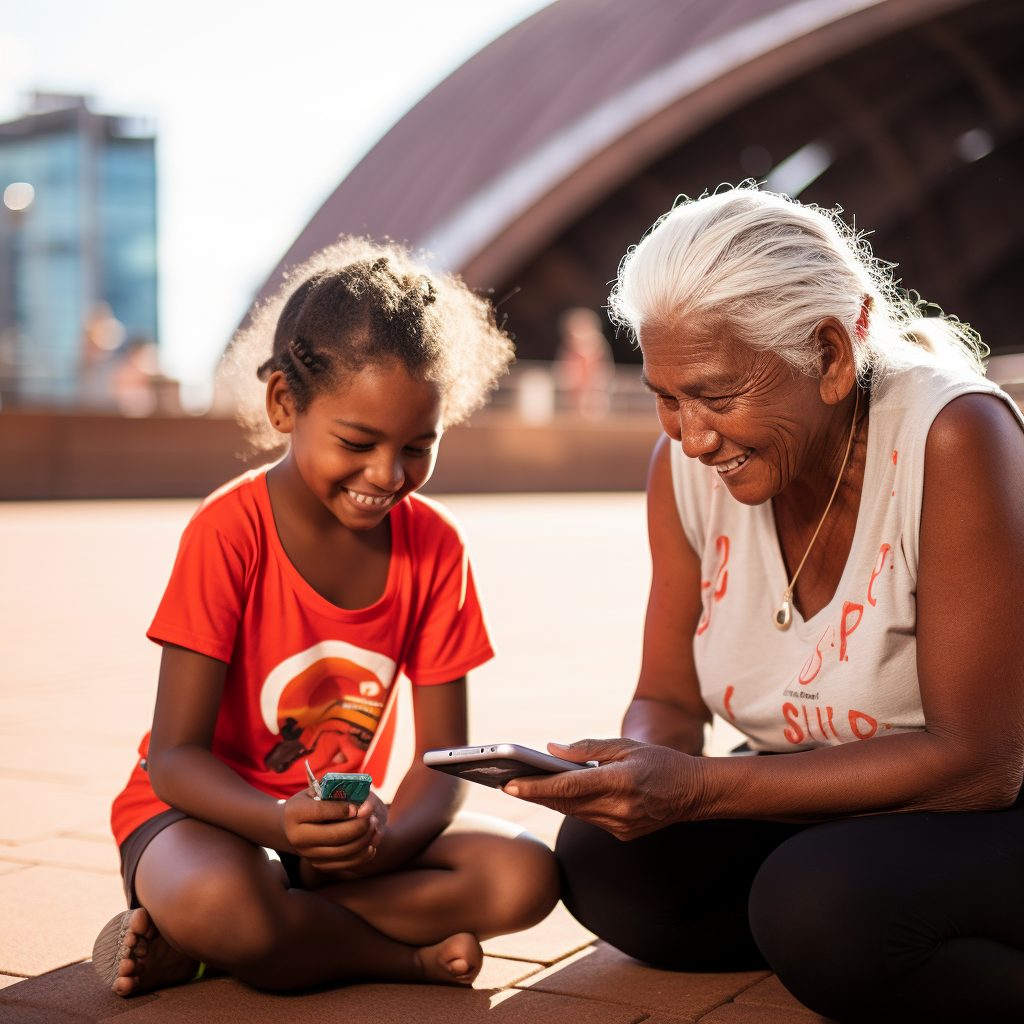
x=141, y=923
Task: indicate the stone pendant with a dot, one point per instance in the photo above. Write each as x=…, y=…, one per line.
x=784, y=616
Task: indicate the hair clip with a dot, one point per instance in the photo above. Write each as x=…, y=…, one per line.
x=301, y=352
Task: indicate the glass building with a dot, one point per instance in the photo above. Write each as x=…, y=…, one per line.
x=78, y=273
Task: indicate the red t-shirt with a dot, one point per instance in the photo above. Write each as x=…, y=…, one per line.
x=305, y=678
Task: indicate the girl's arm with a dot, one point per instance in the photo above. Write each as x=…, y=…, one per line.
x=667, y=708
x=970, y=655
x=427, y=800
x=187, y=775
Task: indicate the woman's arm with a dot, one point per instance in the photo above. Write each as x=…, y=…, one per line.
x=667, y=708
x=970, y=668
x=427, y=800
x=187, y=775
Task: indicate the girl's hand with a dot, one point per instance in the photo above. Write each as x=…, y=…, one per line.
x=638, y=788
x=334, y=835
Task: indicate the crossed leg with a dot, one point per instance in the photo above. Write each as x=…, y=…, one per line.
x=210, y=895
x=464, y=882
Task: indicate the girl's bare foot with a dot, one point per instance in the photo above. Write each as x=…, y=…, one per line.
x=133, y=957
x=456, y=961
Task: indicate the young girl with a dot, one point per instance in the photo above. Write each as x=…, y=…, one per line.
x=298, y=596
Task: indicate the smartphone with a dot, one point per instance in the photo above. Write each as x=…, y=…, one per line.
x=495, y=764
x=351, y=786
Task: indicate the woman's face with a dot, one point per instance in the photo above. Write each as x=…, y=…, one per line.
x=753, y=418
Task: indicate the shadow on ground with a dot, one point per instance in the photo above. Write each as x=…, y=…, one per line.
x=594, y=985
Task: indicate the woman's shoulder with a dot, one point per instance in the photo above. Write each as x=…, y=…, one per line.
x=916, y=399
x=916, y=388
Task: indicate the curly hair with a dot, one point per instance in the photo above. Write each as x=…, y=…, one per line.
x=361, y=302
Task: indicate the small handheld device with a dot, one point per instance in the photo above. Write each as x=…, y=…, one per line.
x=496, y=764
x=353, y=787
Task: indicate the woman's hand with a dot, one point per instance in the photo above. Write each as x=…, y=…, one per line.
x=638, y=788
x=334, y=835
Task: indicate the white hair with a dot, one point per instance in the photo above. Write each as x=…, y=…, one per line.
x=774, y=269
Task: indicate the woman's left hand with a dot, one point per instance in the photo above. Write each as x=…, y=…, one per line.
x=638, y=788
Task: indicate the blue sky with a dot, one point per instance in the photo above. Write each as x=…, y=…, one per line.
x=261, y=109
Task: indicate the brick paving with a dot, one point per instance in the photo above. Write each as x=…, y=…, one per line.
x=564, y=581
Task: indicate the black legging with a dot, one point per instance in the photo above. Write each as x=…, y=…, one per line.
x=892, y=917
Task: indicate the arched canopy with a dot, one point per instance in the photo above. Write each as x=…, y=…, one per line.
x=539, y=161
x=563, y=108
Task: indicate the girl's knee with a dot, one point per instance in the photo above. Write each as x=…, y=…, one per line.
x=538, y=885
x=519, y=876
x=222, y=917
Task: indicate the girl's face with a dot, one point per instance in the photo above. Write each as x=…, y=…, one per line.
x=749, y=415
x=365, y=445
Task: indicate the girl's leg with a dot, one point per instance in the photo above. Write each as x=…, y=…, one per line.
x=487, y=884
x=676, y=898
x=213, y=896
x=899, y=917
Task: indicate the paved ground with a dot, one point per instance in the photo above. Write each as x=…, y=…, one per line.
x=564, y=581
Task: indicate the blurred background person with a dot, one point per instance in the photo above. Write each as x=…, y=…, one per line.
x=583, y=363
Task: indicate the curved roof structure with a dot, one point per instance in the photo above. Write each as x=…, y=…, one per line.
x=564, y=108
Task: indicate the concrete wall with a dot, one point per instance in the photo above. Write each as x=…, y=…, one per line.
x=50, y=455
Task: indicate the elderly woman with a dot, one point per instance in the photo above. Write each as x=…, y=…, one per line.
x=836, y=521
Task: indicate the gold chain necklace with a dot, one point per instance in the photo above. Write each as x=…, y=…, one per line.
x=784, y=616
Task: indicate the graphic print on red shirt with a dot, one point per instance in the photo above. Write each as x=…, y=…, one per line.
x=326, y=704
x=305, y=678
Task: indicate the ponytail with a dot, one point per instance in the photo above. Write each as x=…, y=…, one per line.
x=946, y=338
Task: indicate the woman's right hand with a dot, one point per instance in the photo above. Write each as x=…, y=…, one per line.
x=333, y=835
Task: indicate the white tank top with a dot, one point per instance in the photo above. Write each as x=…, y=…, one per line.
x=850, y=671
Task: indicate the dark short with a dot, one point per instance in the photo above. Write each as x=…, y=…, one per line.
x=132, y=849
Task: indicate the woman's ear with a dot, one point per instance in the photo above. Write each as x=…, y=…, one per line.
x=280, y=403
x=835, y=361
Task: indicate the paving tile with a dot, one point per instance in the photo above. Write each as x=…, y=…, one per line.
x=558, y=935
x=51, y=916
x=771, y=992
x=72, y=990
x=101, y=835
x=62, y=852
x=93, y=762
x=602, y=972
x=530, y=1007
x=499, y=973
x=750, y=1013
x=226, y=1001
x=41, y=1015
x=37, y=810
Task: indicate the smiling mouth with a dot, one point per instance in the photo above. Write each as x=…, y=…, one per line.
x=728, y=467
x=368, y=500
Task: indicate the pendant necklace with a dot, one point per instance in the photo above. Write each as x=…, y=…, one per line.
x=784, y=616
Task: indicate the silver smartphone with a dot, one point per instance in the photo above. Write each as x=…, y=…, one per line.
x=498, y=763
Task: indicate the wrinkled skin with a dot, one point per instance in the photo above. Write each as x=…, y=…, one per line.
x=638, y=788
x=721, y=400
